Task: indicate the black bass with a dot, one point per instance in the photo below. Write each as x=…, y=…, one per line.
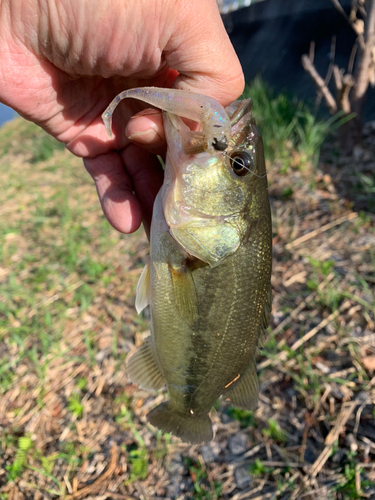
x=208, y=278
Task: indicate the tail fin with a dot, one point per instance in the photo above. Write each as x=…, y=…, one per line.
x=189, y=428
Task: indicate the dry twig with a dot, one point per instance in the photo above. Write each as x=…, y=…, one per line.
x=92, y=488
x=345, y=413
x=326, y=227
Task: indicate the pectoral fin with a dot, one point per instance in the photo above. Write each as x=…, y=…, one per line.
x=143, y=369
x=244, y=391
x=185, y=294
x=143, y=289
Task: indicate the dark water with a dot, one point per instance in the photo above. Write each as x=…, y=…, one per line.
x=6, y=114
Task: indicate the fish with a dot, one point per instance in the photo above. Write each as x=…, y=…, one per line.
x=208, y=278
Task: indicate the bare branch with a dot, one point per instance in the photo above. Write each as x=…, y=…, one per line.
x=353, y=53
x=352, y=19
x=338, y=76
x=322, y=87
x=343, y=95
x=331, y=61
x=339, y=7
x=363, y=74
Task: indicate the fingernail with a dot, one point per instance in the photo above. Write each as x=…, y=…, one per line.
x=146, y=112
x=145, y=137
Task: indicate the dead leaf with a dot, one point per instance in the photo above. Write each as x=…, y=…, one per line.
x=369, y=362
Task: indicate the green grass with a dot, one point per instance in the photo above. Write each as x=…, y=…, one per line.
x=245, y=417
x=292, y=134
x=75, y=406
x=67, y=287
x=274, y=431
x=36, y=144
x=204, y=488
x=24, y=446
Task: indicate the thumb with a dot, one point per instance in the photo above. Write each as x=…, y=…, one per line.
x=201, y=51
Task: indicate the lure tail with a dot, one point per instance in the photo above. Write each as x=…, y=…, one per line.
x=190, y=428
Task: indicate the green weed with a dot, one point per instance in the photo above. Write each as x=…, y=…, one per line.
x=36, y=143
x=307, y=380
x=138, y=456
x=89, y=341
x=311, y=133
x=81, y=383
x=274, y=431
x=44, y=147
x=245, y=417
x=329, y=296
x=258, y=468
x=47, y=463
x=288, y=126
x=347, y=486
x=6, y=374
x=25, y=444
x=163, y=442
x=203, y=488
x=71, y=453
x=139, y=464
x=75, y=405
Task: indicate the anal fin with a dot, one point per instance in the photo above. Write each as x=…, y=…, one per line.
x=244, y=392
x=143, y=368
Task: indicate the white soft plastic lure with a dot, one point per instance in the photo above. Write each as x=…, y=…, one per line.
x=215, y=131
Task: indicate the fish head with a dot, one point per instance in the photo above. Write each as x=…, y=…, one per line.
x=208, y=199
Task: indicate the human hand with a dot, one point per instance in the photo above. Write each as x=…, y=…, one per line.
x=63, y=61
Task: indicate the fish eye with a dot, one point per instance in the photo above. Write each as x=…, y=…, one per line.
x=241, y=162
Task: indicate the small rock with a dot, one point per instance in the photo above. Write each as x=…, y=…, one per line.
x=186, y=484
x=339, y=456
x=225, y=418
x=310, y=456
x=362, y=397
x=238, y=443
x=242, y=476
x=278, y=317
x=101, y=355
x=174, y=487
x=176, y=466
x=336, y=392
x=210, y=452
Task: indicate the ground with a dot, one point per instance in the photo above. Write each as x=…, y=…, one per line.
x=72, y=426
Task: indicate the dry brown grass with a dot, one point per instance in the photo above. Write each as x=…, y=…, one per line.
x=71, y=424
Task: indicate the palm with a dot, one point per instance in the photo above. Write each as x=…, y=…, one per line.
x=70, y=109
